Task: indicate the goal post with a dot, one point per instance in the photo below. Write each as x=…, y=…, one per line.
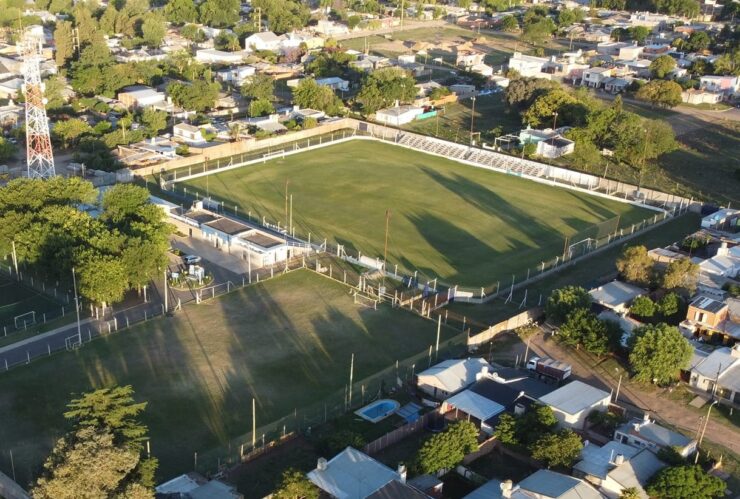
x=365, y=301
x=72, y=342
x=271, y=155
x=22, y=321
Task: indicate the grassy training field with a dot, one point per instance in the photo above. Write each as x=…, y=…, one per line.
x=286, y=342
x=466, y=225
x=16, y=299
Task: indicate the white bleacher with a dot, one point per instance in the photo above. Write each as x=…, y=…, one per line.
x=482, y=157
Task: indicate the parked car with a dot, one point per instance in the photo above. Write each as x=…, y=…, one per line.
x=191, y=259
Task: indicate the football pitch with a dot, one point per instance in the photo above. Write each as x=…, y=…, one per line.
x=468, y=226
x=17, y=299
x=287, y=342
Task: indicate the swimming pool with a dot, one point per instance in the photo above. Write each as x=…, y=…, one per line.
x=378, y=410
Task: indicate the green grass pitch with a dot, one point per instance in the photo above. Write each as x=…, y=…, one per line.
x=287, y=342
x=469, y=226
x=16, y=299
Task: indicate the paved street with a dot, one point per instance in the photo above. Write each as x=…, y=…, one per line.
x=660, y=407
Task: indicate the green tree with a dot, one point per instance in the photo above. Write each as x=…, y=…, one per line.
x=563, y=301
x=506, y=429
x=728, y=64
x=219, y=13
x=657, y=353
x=522, y=92
x=539, y=420
x=193, y=33
x=154, y=120
x=102, y=278
x=661, y=66
x=309, y=94
x=558, y=449
x=153, y=30
x=260, y=107
x=295, y=485
x=630, y=493
x=353, y=22
x=681, y=274
x=447, y=449
x=227, y=41
x=71, y=130
x=283, y=15
x=582, y=327
x=635, y=265
x=639, y=33
x=685, y=482
x=509, y=24
x=643, y=306
x=7, y=149
x=180, y=12
x=383, y=87
x=538, y=30
x=259, y=87
x=661, y=93
x=63, y=42
x=697, y=41
x=669, y=305
x=198, y=96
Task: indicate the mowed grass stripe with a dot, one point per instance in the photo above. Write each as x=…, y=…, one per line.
x=467, y=225
x=287, y=342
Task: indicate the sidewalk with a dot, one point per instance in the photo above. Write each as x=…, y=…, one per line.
x=637, y=400
x=67, y=330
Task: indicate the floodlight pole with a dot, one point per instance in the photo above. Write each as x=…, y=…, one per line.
x=254, y=424
x=15, y=263
x=77, y=306
x=166, y=307
x=351, y=375
x=385, y=246
x=287, y=181
x=472, y=120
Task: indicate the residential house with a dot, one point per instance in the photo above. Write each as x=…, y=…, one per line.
x=619, y=50
x=617, y=85
x=214, y=56
x=334, y=82
x=595, y=77
x=638, y=67
x=405, y=60
x=725, y=263
x=352, y=474
x=450, y=376
x=719, y=374
x=140, y=97
x=646, y=434
x=527, y=65
x=189, y=134
x=649, y=20
x=616, y=466
x=292, y=41
x=546, y=484
x=469, y=58
x=500, y=81
x=398, y=115
x=369, y=63
x=140, y=55
x=655, y=50
x=700, y=96
x=425, y=88
x=616, y=295
x=237, y=75
x=265, y=40
x=10, y=89
x=330, y=28
x=10, y=114
x=712, y=319
x=474, y=407
x=573, y=402
x=194, y=486
x=728, y=86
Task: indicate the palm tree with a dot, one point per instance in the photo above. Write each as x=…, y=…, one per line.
x=235, y=131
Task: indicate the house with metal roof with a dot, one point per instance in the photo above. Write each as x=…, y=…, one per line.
x=646, y=434
x=573, y=402
x=450, y=376
x=616, y=295
x=719, y=374
x=546, y=484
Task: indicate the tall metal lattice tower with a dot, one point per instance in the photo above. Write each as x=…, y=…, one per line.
x=39, y=156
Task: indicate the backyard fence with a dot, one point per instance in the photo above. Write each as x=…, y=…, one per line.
x=526, y=317
x=399, y=434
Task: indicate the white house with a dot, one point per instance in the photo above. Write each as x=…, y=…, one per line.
x=573, y=402
x=726, y=85
x=546, y=484
x=399, y=115
x=141, y=96
x=595, y=77
x=646, y=434
x=266, y=40
x=330, y=28
x=450, y=376
x=235, y=75
x=334, y=82
x=188, y=133
x=213, y=56
x=699, y=96
x=527, y=65
x=616, y=295
x=722, y=219
x=719, y=374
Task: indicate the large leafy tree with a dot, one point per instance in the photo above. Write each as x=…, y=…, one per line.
x=685, y=482
x=447, y=449
x=219, y=13
x=558, y=449
x=70, y=130
x=385, y=86
x=283, y=15
x=101, y=456
x=657, y=353
x=660, y=93
x=198, y=96
x=583, y=328
x=295, y=485
x=563, y=301
x=681, y=274
x=181, y=11
x=154, y=120
x=259, y=87
x=63, y=42
x=635, y=265
x=309, y=94
x=153, y=29
x=661, y=66
x=522, y=92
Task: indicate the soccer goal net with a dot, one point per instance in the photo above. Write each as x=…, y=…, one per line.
x=22, y=321
x=72, y=342
x=275, y=154
x=365, y=301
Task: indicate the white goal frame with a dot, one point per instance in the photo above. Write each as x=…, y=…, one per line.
x=26, y=323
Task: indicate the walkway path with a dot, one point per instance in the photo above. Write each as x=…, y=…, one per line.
x=637, y=400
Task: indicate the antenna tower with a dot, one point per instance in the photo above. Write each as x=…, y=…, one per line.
x=39, y=156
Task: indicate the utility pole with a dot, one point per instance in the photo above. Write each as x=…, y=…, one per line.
x=351, y=375
x=287, y=182
x=254, y=424
x=15, y=262
x=619, y=386
x=166, y=307
x=385, y=245
x=472, y=120
x=77, y=307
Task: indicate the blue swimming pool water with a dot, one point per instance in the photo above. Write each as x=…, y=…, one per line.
x=378, y=410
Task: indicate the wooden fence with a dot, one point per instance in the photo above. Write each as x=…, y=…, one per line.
x=398, y=434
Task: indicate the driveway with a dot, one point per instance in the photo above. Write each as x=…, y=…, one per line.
x=637, y=400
